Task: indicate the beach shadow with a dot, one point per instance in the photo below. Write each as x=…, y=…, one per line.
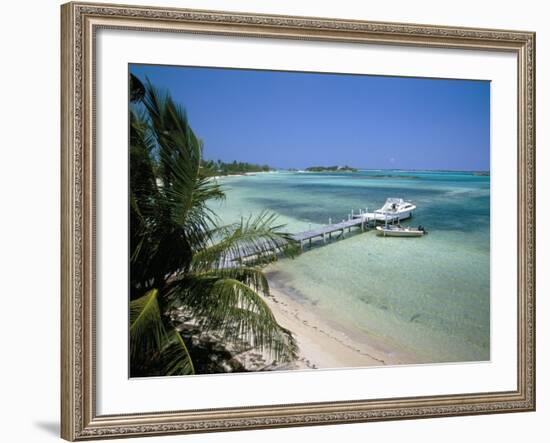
x=50, y=427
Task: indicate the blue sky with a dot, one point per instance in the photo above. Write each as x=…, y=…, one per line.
x=296, y=120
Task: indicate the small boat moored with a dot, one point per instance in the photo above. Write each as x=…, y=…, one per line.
x=400, y=231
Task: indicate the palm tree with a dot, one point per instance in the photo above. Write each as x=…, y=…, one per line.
x=181, y=259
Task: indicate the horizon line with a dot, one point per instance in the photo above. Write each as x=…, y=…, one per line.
x=401, y=169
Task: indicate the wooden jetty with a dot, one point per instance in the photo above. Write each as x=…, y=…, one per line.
x=326, y=232
x=362, y=220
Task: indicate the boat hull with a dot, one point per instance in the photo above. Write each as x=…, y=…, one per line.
x=399, y=232
x=383, y=218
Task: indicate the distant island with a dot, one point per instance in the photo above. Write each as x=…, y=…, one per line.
x=212, y=168
x=331, y=169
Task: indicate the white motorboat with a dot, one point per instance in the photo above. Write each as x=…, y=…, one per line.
x=400, y=231
x=395, y=209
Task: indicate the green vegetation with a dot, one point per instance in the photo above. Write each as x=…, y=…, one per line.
x=191, y=278
x=331, y=169
x=216, y=168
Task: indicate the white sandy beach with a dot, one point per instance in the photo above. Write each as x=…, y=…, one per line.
x=322, y=346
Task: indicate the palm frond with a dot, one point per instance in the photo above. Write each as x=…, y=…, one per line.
x=175, y=356
x=185, y=192
x=251, y=276
x=254, y=240
x=234, y=310
x=242, y=314
x=137, y=90
x=146, y=327
x=169, y=214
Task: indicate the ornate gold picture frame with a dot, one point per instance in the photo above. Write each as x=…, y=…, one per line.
x=80, y=23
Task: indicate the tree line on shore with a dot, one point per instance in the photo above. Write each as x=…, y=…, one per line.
x=218, y=167
x=331, y=169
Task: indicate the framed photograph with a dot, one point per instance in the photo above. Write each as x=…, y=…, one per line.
x=283, y=221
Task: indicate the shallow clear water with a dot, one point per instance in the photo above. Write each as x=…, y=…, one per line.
x=429, y=295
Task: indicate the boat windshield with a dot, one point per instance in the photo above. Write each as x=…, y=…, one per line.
x=392, y=205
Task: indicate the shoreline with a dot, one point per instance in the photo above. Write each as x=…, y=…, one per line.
x=322, y=345
x=241, y=174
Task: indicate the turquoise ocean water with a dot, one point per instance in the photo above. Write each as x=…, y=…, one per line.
x=428, y=296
